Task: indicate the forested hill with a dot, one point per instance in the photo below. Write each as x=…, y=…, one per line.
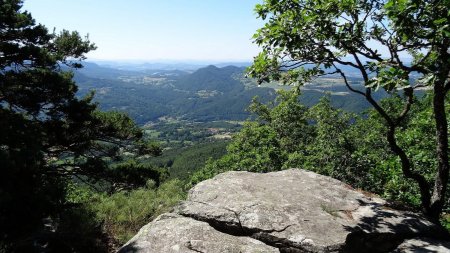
x=209, y=93
x=212, y=78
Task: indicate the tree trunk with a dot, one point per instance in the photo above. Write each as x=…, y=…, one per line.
x=442, y=174
x=424, y=187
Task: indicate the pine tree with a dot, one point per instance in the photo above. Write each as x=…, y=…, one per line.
x=47, y=135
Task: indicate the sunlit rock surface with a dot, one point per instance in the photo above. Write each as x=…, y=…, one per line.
x=287, y=211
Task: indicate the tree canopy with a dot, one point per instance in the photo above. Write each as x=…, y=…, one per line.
x=47, y=134
x=395, y=45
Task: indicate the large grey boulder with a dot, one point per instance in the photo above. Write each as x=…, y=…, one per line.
x=175, y=233
x=290, y=211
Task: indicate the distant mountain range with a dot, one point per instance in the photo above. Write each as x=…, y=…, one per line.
x=188, y=66
x=207, y=94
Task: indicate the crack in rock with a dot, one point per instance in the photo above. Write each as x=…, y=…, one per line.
x=191, y=247
x=285, y=245
x=237, y=229
x=230, y=227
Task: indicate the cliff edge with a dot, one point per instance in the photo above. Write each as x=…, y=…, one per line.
x=287, y=211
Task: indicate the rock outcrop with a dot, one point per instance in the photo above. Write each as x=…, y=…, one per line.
x=287, y=211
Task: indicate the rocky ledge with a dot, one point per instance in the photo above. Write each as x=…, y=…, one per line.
x=288, y=211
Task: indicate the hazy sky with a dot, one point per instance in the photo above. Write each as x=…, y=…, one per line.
x=218, y=30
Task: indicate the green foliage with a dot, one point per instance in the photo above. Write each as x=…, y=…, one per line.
x=255, y=148
x=38, y=119
x=445, y=221
x=130, y=174
x=117, y=125
x=212, y=168
x=330, y=152
x=318, y=35
x=263, y=146
x=123, y=213
x=302, y=39
x=101, y=222
x=193, y=158
x=47, y=134
x=288, y=118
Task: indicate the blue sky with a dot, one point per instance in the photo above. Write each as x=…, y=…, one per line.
x=218, y=30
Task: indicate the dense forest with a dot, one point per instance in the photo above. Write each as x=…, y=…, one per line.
x=91, y=153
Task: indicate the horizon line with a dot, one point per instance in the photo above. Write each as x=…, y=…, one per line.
x=170, y=60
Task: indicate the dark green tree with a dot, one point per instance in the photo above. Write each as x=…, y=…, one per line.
x=330, y=151
x=47, y=135
x=288, y=118
x=306, y=38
